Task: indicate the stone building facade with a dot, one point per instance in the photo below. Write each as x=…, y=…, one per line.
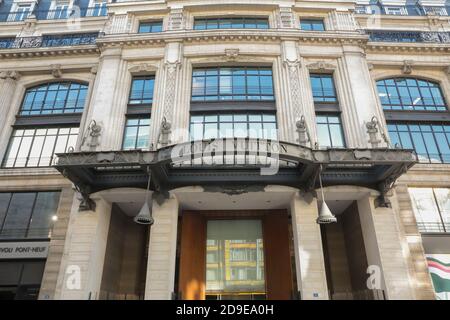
x=100, y=101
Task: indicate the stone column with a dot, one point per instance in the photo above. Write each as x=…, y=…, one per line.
x=384, y=249
x=362, y=106
x=8, y=82
x=56, y=246
x=81, y=271
x=108, y=102
x=162, y=248
x=164, y=122
x=309, y=259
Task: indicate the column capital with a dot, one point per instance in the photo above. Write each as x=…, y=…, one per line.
x=10, y=74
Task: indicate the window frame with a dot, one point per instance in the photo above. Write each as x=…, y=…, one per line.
x=27, y=230
x=421, y=132
x=330, y=135
x=152, y=23
x=312, y=21
x=208, y=98
x=82, y=86
x=30, y=148
x=246, y=20
x=402, y=106
x=139, y=118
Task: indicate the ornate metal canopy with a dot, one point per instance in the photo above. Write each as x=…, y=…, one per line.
x=236, y=166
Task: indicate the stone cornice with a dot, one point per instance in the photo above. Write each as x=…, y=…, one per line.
x=49, y=52
x=272, y=35
x=403, y=48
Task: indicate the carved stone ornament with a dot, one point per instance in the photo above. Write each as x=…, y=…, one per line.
x=13, y=75
x=164, y=135
x=56, y=70
x=407, y=67
x=142, y=67
x=231, y=54
x=286, y=18
x=321, y=66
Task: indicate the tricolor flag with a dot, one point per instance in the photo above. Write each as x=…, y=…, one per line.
x=439, y=268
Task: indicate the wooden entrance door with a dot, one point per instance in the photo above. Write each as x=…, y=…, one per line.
x=277, y=261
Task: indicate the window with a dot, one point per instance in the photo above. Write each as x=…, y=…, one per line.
x=329, y=131
x=239, y=83
x=137, y=133
x=430, y=141
x=148, y=27
x=231, y=23
x=239, y=125
x=99, y=9
x=312, y=25
x=361, y=9
x=323, y=88
x=54, y=98
x=36, y=147
x=141, y=90
x=27, y=214
x=432, y=208
x=60, y=10
x=21, y=12
x=397, y=11
x=410, y=94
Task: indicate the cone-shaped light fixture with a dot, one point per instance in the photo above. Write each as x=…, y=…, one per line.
x=145, y=214
x=325, y=215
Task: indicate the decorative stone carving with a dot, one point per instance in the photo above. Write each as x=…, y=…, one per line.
x=285, y=18
x=94, y=69
x=92, y=136
x=164, y=133
x=176, y=21
x=407, y=66
x=321, y=66
x=294, y=82
x=372, y=130
x=13, y=75
x=231, y=54
x=56, y=70
x=303, y=133
x=142, y=67
x=170, y=87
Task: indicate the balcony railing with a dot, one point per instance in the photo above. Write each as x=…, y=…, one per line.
x=30, y=233
x=56, y=14
x=408, y=36
x=49, y=41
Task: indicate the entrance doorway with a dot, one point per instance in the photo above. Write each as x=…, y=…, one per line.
x=231, y=255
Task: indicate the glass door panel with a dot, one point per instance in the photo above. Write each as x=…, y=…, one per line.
x=235, y=260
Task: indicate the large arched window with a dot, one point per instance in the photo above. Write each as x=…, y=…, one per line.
x=410, y=94
x=417, y=117
x=54, y=98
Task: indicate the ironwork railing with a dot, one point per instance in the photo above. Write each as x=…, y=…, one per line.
x=108, y=295
x=55, y=14
x=49, y=41
x=433, y=227
x=408, y=36
x=358, y=295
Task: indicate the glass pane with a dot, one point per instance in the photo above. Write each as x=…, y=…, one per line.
x=236, y=257
x=425, y=210
x=45, y=207
x=18, y=216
